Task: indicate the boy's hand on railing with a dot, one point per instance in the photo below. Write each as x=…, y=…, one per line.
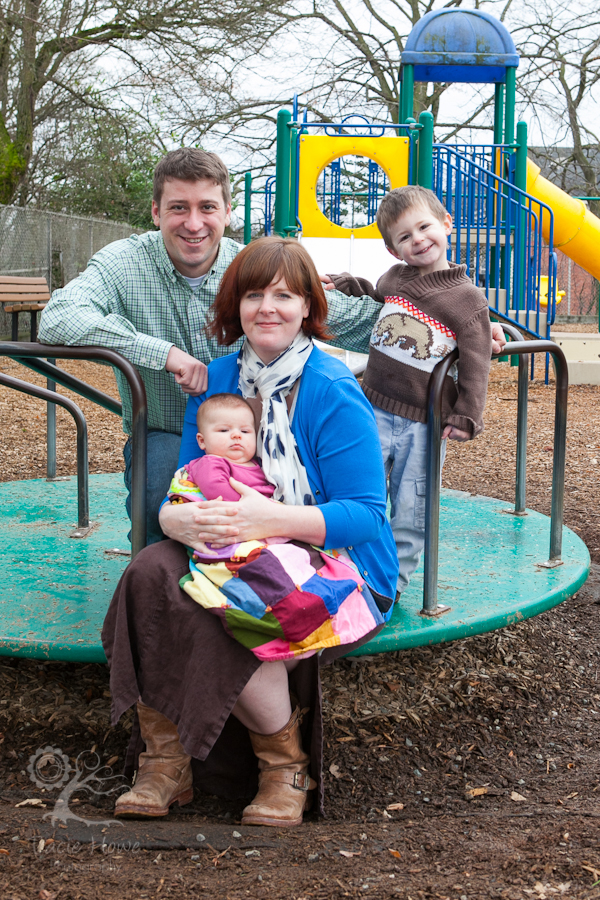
x=498, y=337
x=455, y=434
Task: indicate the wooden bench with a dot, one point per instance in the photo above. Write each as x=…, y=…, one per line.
x=23, y=295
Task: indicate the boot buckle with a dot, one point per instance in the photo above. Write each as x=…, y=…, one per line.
x=301, y=781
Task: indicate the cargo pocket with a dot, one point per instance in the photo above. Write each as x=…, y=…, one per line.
x=420, y=492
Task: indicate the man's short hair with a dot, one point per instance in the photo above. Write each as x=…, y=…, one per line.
x=399, y=201
x=191, y=164
x=228, y=400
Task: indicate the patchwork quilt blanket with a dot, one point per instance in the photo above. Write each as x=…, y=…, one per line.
x=282, y=599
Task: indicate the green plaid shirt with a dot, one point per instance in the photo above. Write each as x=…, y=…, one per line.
x=133, y=300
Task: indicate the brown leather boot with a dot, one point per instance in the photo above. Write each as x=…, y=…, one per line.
x=284, y=782
x=165, y=773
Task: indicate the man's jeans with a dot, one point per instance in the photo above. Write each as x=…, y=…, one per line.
x=404, y=450
x=163, y=454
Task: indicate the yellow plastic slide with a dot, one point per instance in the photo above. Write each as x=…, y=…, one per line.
x=576, y=229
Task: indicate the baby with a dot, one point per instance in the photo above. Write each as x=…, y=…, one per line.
x=227, y=434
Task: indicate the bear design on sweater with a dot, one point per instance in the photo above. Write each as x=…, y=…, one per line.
x=407, y=332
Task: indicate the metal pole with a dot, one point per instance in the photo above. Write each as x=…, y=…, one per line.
x=521, y=468
x=520, y=294
x=560, y=454
x=522, y=398
x=425, y=168
x=282, y=185
x=49, y=251
x=407, y=96
x=560, y=438
x=51, y=430
x=433, y=476
x=139, y=430
x=498, y=115
x=73, y=384
x=247, y=208
x=83, y=508
x=292, y=226
x=51, y=385
x=413, y=136
x=509, y=105
x=433, y=467
x=521, y=156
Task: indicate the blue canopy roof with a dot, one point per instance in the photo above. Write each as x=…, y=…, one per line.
x=460, y=45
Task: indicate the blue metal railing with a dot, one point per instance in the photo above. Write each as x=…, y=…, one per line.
x=497, y=232
x=329, y=192
x=495, y=157
x=269, y=204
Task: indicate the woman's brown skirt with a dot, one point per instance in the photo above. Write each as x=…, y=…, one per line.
x=163, y=647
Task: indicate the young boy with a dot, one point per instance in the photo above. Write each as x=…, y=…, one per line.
x=430, y=306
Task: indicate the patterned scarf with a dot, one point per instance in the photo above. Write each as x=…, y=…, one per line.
x=276, y=446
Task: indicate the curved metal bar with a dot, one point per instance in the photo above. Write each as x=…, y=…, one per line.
x=521, y=454
x=51, y=431
x=434, y=443
x=139, y=429
x=522, y=399
x=83, y=507
x=73, y=384
x=512, y=331
x=433, y=475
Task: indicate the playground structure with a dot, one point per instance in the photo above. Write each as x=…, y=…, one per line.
x=508, y=219
x=505, y=233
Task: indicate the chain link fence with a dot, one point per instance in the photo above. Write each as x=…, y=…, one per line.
x=56, y=246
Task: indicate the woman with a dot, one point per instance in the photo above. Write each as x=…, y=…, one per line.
x=199, y=693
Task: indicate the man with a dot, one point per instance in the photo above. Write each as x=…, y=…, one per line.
x=148, y=296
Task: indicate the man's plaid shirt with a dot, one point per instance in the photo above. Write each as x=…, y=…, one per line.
x=132, y=299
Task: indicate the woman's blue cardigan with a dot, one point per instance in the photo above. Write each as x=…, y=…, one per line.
x=337, y=439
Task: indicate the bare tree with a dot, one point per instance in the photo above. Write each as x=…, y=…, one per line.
x=561, y=89
x=339, y=57
x=53, y=53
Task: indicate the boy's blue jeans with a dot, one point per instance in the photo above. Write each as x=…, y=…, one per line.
x=404, y=451
x=163, y=455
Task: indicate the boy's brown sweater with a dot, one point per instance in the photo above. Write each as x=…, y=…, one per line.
x=424, y=318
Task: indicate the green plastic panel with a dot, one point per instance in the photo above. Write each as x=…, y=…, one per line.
x=488, y=575
x=54, y=589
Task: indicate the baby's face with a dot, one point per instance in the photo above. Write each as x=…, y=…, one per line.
x=229, y=432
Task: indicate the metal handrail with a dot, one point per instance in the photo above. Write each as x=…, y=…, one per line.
x=83, y=501
x=433, y=471
x=522, y=399
x=139, y=430
x=73, y=384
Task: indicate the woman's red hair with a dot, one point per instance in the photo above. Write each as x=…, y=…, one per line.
x=259, y=264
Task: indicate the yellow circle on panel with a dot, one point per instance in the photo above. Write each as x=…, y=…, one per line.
x=318, y=151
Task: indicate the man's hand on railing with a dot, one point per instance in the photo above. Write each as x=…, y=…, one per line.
x=190, y=373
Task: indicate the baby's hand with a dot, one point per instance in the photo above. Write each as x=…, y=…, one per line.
x=455, y=434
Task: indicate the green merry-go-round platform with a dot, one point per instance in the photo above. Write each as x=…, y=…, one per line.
x=55, y=589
